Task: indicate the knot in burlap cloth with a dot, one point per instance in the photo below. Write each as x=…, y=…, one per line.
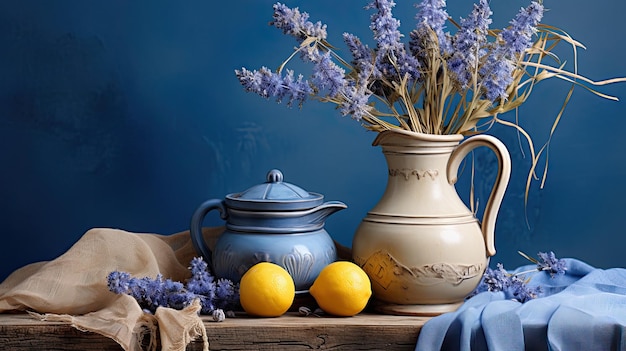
x=73, y=287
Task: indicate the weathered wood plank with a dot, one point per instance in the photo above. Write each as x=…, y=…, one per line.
x=22, y=332
x=289, y=332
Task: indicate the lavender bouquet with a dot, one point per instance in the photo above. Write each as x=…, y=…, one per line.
x=439, y=82
x=215, y=295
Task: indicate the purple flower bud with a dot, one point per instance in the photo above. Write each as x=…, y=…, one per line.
x=517, y=37
x=514, y=40
x=385, y=26
x=296, y=23
x=269, y=84
x=118, y=282
x=469, y=44
x=328, y=76
x=432, y=15
x=548, y=262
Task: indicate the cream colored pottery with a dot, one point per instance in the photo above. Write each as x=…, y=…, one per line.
x=422, y=248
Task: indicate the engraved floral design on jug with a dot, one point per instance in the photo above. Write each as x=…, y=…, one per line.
x=382, y=267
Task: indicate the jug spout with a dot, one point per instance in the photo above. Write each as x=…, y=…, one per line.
x=318, y=215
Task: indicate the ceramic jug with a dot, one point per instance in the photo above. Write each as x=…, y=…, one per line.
x=275, y=222
x=422, y=247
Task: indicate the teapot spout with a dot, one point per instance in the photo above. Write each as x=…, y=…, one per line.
x=319, y=214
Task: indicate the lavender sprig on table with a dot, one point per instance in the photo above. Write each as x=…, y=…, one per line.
x=548, y=262
x=151, y=293
x=514, y=285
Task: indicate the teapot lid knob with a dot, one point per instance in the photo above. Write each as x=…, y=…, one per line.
x=274, y=176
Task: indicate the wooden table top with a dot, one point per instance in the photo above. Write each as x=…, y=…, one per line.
x=366, y=331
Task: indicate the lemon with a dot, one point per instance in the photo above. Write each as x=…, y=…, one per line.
x=342, y=289
x=266, y=290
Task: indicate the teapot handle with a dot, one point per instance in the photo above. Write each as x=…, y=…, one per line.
x=197, y=239
x=499, y=187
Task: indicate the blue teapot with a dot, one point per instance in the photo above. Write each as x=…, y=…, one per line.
x=274, y=222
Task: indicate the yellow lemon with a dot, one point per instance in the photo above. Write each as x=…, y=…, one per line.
x=266, y=290
x=342, y=289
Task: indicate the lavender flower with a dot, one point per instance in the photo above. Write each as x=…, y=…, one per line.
x=198, y=267
x=328, y=76
x=118, y=282
x=269, y=84
x=512, y=41
x=392, y=59
x=221, y=294
x=355, y=102
x=517, y=289
x=407, y=66
x=202, y=284
x=495, y=280
x=517, y=37
x=432, y=16
x=497, y=74
x=385, y=26
x=152, y=293
x=361, y=54
x=255, y=81
x=296, y=90
x=513, y=286
x=296, y=23
x=469, y=44
x=226, y=292
x=179, y=299
x=548, y=262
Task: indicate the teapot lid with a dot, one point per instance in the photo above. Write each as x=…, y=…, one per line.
x=273, y=195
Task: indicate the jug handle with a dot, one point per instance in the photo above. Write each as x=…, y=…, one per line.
x=499, y=186
x=197, y=239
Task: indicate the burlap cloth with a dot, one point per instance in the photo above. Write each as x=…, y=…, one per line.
x=73, y=287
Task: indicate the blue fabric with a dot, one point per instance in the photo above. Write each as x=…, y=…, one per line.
x=585, y=309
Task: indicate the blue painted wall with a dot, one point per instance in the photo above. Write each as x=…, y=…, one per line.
x=128, y=115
